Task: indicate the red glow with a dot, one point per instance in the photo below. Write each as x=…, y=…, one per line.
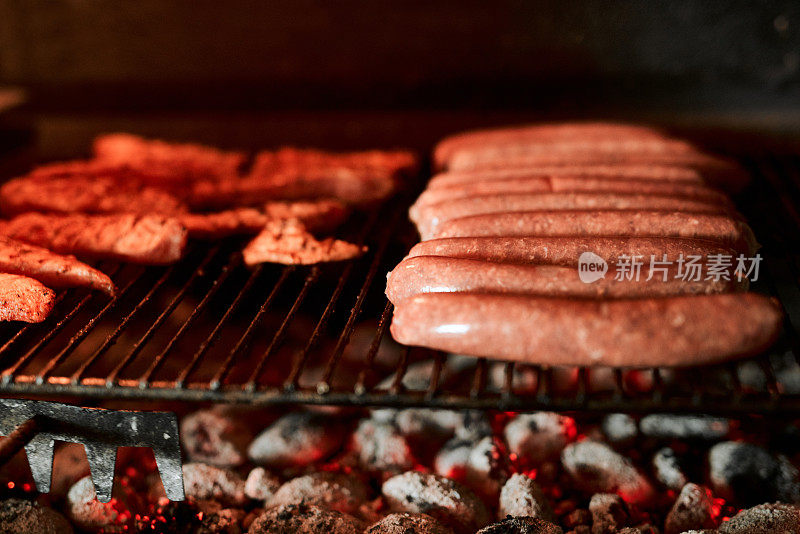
x=11, y=485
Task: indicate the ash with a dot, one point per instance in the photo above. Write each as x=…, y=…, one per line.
x=434, y=471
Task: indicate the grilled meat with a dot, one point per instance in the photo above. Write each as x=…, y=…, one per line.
x=85, y=192
x=351, y=186
x=150, y=239
x=166, y=164
x=53, y=270
x=288, y=242
x=321, y=215
x=24, y=299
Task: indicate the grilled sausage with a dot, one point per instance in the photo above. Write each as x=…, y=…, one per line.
x=721, y=228
x=560, y=184
x=53, y=270
x=671, y=331
x=564, y=250
x=24, y=299
x=150, y=239
x=431, y=217
x=436, y=274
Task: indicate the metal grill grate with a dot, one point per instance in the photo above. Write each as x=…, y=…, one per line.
x=208, y=329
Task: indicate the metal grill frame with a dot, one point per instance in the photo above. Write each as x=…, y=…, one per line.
x=770, y=204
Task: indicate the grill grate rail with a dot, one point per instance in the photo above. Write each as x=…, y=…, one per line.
x=209, y=329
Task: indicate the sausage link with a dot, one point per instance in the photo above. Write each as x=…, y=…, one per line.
x=721, y=228
x=431, y=217
x=437, y=274
x=671, y=331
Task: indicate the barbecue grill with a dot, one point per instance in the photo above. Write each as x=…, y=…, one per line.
x=208, y=329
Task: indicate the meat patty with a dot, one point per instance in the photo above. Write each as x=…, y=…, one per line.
x=321, y=215
x=565, y=250
x=150, y=239
x=724, y=229
x=436, y=274
x=432, y=216
x=672, y=331
x=85, y=193
x=53, y=270
x=288, y=242
x=24, y=299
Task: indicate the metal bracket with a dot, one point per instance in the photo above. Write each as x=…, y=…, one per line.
x=36, y=425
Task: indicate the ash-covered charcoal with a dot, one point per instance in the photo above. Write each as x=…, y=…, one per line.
x=764, y=519
x=540, y=436
x=444, y=499
x=696, y=427
x=643, y=529
x=260, y=484
x=522, y=497
x=473, y=425
x=381, y=447
x=18, y=515
x=89, y=514
x=405, y=523
x=609, y=513
x=522, y=525
x=205, y=482
x=214, y=438
x=296, y=440
x=305, y=519
x=693, y=509
x=487, y=469
x=426, y=425
x=747, y=474
x=667, y=469
x=451, y=460
x=596, y=468
x=225, y=521
x=332, y=491
x=620, y=429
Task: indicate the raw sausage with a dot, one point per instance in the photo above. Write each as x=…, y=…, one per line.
x=565, y=250
x=721, y=228
x=437, y=274
x=431, y=217
x=671, y=331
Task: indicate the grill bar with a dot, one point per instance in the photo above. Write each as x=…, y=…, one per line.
x=208, y=329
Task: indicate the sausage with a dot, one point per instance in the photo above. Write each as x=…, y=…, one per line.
x=565, y=250
x=431, y=217
x=724, y=229
x=437, y=274
x=658, y=173
x=445, y=149
x=670, y=331
x=576, y=184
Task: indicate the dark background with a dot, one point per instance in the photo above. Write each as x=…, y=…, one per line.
x=337, y=73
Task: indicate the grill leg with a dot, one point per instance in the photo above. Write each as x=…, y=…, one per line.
x=102, y=460
x=40, y=459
